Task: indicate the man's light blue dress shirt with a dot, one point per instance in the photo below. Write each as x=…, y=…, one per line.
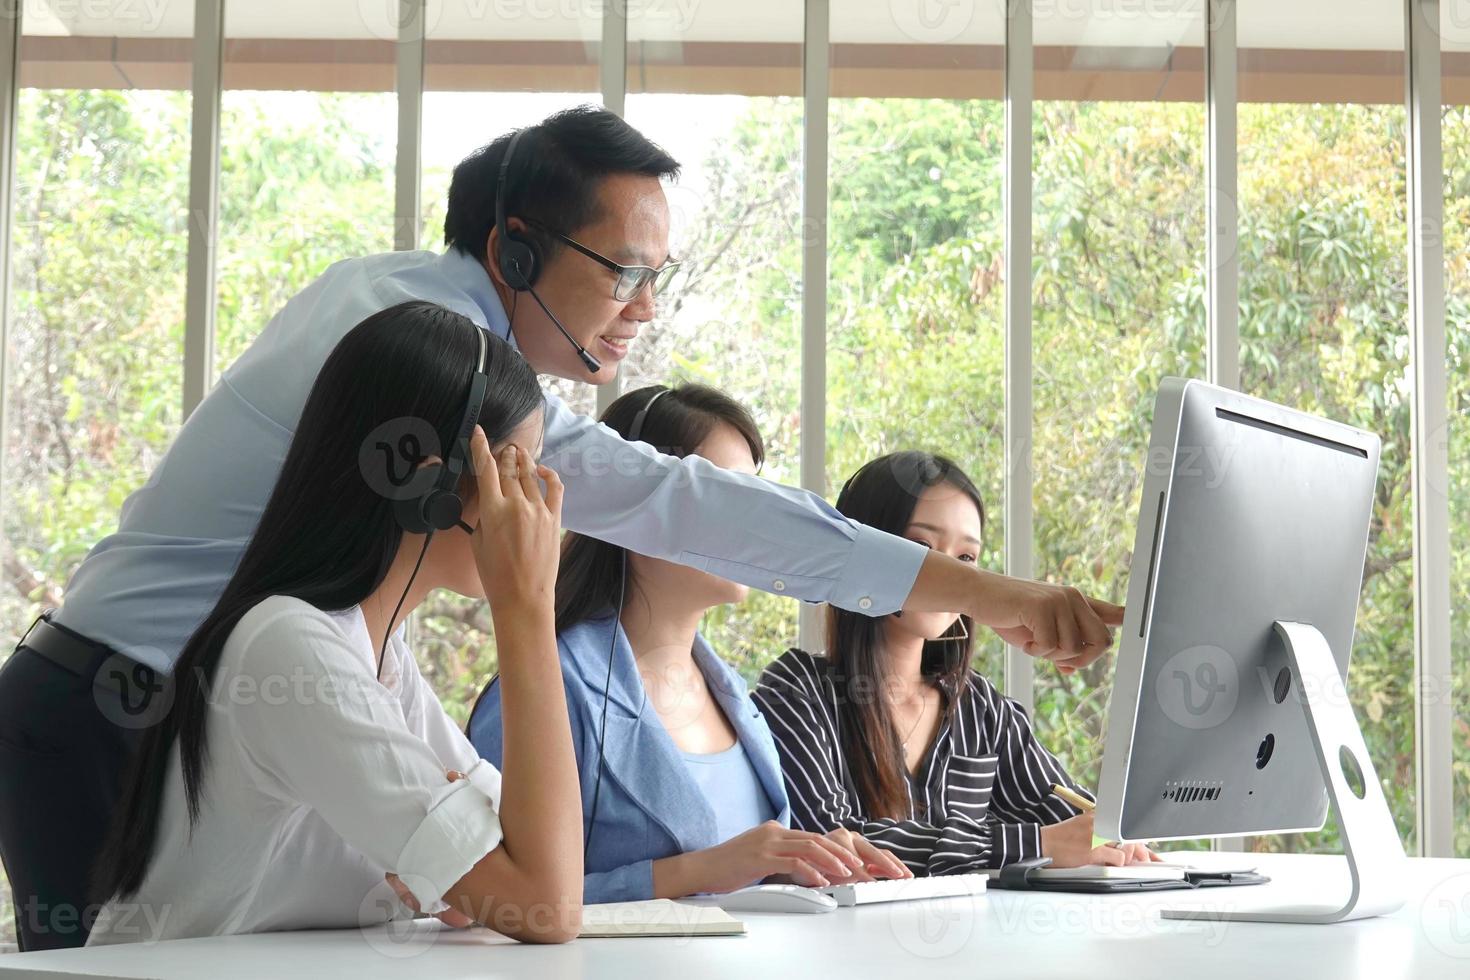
x=144, y=589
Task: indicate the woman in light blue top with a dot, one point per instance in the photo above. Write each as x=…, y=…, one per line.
x=688, y=797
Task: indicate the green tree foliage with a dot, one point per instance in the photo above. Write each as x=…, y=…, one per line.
x=305, y=181
x=1456, y=137
x=95, y=373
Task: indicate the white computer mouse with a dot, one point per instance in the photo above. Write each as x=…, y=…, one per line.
x=776, y=898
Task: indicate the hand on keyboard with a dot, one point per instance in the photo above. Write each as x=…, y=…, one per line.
x=877, y=862
x=769, y=852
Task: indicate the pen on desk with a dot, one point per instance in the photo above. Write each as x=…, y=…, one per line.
x=1076, y=799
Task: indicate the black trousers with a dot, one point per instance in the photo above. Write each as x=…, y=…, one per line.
x=66, y=745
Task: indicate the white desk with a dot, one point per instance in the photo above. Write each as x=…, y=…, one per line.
x=1001, y=934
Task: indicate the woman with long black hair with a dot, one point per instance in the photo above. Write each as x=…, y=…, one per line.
x=892, y=735
x=303, y=772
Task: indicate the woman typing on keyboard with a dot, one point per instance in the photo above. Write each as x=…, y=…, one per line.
x=894, y=737
x=681, y=787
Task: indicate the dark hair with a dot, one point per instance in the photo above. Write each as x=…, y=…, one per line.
x=554, y=179
x=883, y=494
x=326, y=535
x=588, y=580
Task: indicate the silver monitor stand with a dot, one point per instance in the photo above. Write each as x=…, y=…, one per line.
x=1370, y=841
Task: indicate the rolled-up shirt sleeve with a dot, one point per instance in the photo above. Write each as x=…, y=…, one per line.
x=425, y=713
x=740, y=527
x=320, y=730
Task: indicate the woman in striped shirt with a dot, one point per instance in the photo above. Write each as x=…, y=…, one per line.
x=894, y=737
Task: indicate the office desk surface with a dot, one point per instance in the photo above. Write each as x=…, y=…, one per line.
x=1000, y=934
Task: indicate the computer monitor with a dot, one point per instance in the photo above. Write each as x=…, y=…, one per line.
x=1252, y=532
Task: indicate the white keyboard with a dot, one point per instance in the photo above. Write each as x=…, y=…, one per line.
x=907, y=889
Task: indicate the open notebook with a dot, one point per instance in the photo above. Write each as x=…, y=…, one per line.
x=657, y=917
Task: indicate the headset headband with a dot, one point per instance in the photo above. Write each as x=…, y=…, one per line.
x=501, y=182
x=636, y=429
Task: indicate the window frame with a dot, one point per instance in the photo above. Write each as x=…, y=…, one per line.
x=1429, y=451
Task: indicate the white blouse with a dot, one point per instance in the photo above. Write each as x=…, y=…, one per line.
x=318, y=780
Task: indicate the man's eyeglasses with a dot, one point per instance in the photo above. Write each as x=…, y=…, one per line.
x=631, y=278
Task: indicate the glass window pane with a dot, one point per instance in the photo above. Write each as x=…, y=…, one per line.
x=915, y=331
x=490, y=68
x=1118, y=280
x=1323, y=307
x=1455, y=127
x=731, y=114
x=308, y=132
x=99, y=226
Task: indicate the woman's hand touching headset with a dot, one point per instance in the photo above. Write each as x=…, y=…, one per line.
x=518, y=543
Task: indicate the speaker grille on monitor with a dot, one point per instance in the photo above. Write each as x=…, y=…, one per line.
x=1193, y=791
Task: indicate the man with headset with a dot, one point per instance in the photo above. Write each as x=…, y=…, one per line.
x=558, y=240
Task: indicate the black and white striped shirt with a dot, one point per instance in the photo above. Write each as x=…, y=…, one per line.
x=985, y=785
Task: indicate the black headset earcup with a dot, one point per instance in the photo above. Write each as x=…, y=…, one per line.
x=519, y=262
x=409, y=514
x=414, y=513
x=442, y=509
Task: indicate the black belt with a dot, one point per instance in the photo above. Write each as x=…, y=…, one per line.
x=86, y=658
